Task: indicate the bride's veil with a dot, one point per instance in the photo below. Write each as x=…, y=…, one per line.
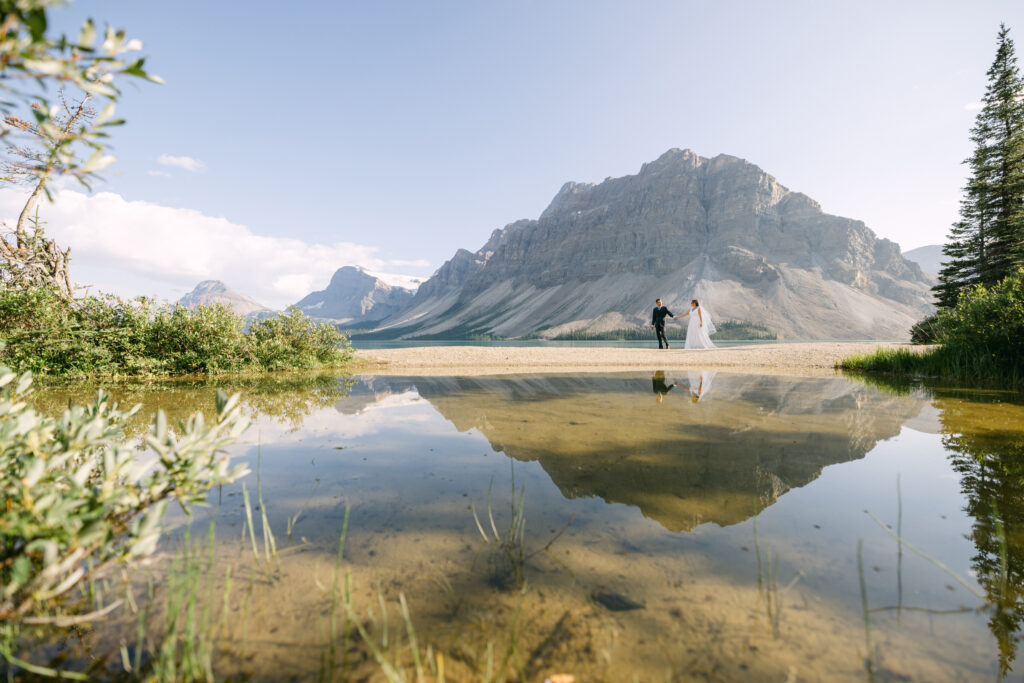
x=708, y=322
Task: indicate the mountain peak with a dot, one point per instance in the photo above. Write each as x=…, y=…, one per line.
x=346, y=273
x=673, y=158
x=721, y=229
x=217, y=292
x=353, y=296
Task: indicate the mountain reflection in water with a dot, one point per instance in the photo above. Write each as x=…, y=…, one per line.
x=683, y=464
x=686, y=462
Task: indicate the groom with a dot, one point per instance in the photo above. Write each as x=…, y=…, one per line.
x=658, y=322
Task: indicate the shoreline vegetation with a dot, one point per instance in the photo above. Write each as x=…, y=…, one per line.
x=107, y=337
x=980, y=339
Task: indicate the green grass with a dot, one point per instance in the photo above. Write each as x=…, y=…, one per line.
x=969, y=365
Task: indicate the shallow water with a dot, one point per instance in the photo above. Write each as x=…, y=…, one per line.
x=731, y=515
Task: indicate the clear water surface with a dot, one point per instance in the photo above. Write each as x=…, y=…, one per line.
x=653, y=526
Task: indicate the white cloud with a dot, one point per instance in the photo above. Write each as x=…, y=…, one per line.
x=974, y=106
x=187, y=163
x=136, y=247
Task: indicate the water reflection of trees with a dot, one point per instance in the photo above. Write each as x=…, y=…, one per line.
x=287, y=398
x=984, y=434
x=989, y=457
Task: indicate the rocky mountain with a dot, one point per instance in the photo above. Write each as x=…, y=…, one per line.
x=721, y=230
x=216, y=292
x=929, y=257
x=354, y=297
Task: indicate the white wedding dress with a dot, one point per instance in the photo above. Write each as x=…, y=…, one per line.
x=698, y=336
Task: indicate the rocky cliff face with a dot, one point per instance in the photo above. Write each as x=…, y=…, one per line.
x=720, y=230
x=354, y=297
x=216, y=292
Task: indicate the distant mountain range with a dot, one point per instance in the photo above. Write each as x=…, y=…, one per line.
x=353, y=297
x=718, y=229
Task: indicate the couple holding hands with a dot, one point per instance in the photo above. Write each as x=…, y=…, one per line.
x=698, y=331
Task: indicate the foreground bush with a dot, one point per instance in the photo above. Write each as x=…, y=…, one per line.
x=982, y=337
x=78, y=496
x=107, y=336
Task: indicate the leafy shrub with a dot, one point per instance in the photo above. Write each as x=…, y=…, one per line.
x=47, y=334
x=205, y=339
x=987, y=324
x=107, y=336
x=78, y=496
x=292, y=340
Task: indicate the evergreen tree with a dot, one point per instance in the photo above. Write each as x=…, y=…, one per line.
x=987, y=243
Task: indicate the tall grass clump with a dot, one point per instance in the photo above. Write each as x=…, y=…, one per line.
x=926, y=331
x=105, y=336
x=982, y=337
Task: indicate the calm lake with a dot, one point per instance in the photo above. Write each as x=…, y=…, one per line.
x=639, y=526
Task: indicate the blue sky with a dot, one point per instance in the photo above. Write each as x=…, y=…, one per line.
x=414, y=128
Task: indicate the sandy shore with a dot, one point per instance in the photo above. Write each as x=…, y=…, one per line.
x=796, y=358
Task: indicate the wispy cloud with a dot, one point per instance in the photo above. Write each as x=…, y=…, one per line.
x=137, y=247
x=187, y=163
x=159, y=174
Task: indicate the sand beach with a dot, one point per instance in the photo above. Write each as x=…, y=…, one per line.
x=812, y=358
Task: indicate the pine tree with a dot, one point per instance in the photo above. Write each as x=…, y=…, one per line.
x=987, y=243
x=1004, y=114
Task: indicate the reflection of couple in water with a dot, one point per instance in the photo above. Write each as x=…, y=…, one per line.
x=699, y=384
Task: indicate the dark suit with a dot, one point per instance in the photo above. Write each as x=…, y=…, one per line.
x=658, y=320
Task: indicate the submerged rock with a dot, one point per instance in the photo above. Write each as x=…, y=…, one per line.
x=616, y=602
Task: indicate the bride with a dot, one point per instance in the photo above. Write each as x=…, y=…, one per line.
x=700, y=327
